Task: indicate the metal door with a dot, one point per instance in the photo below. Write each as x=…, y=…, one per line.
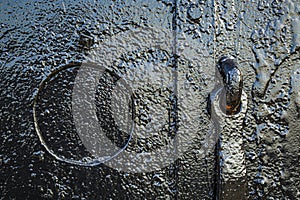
x=147, y=73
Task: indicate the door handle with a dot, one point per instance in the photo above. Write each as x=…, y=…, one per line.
x=228, y=105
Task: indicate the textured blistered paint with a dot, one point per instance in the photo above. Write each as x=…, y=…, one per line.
x=40, y=37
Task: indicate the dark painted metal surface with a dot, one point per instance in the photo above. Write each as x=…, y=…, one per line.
x=39, y=38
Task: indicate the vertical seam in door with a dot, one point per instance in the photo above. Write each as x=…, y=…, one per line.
x=173, y=167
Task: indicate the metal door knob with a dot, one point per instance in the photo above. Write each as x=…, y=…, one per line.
x=233, y=85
